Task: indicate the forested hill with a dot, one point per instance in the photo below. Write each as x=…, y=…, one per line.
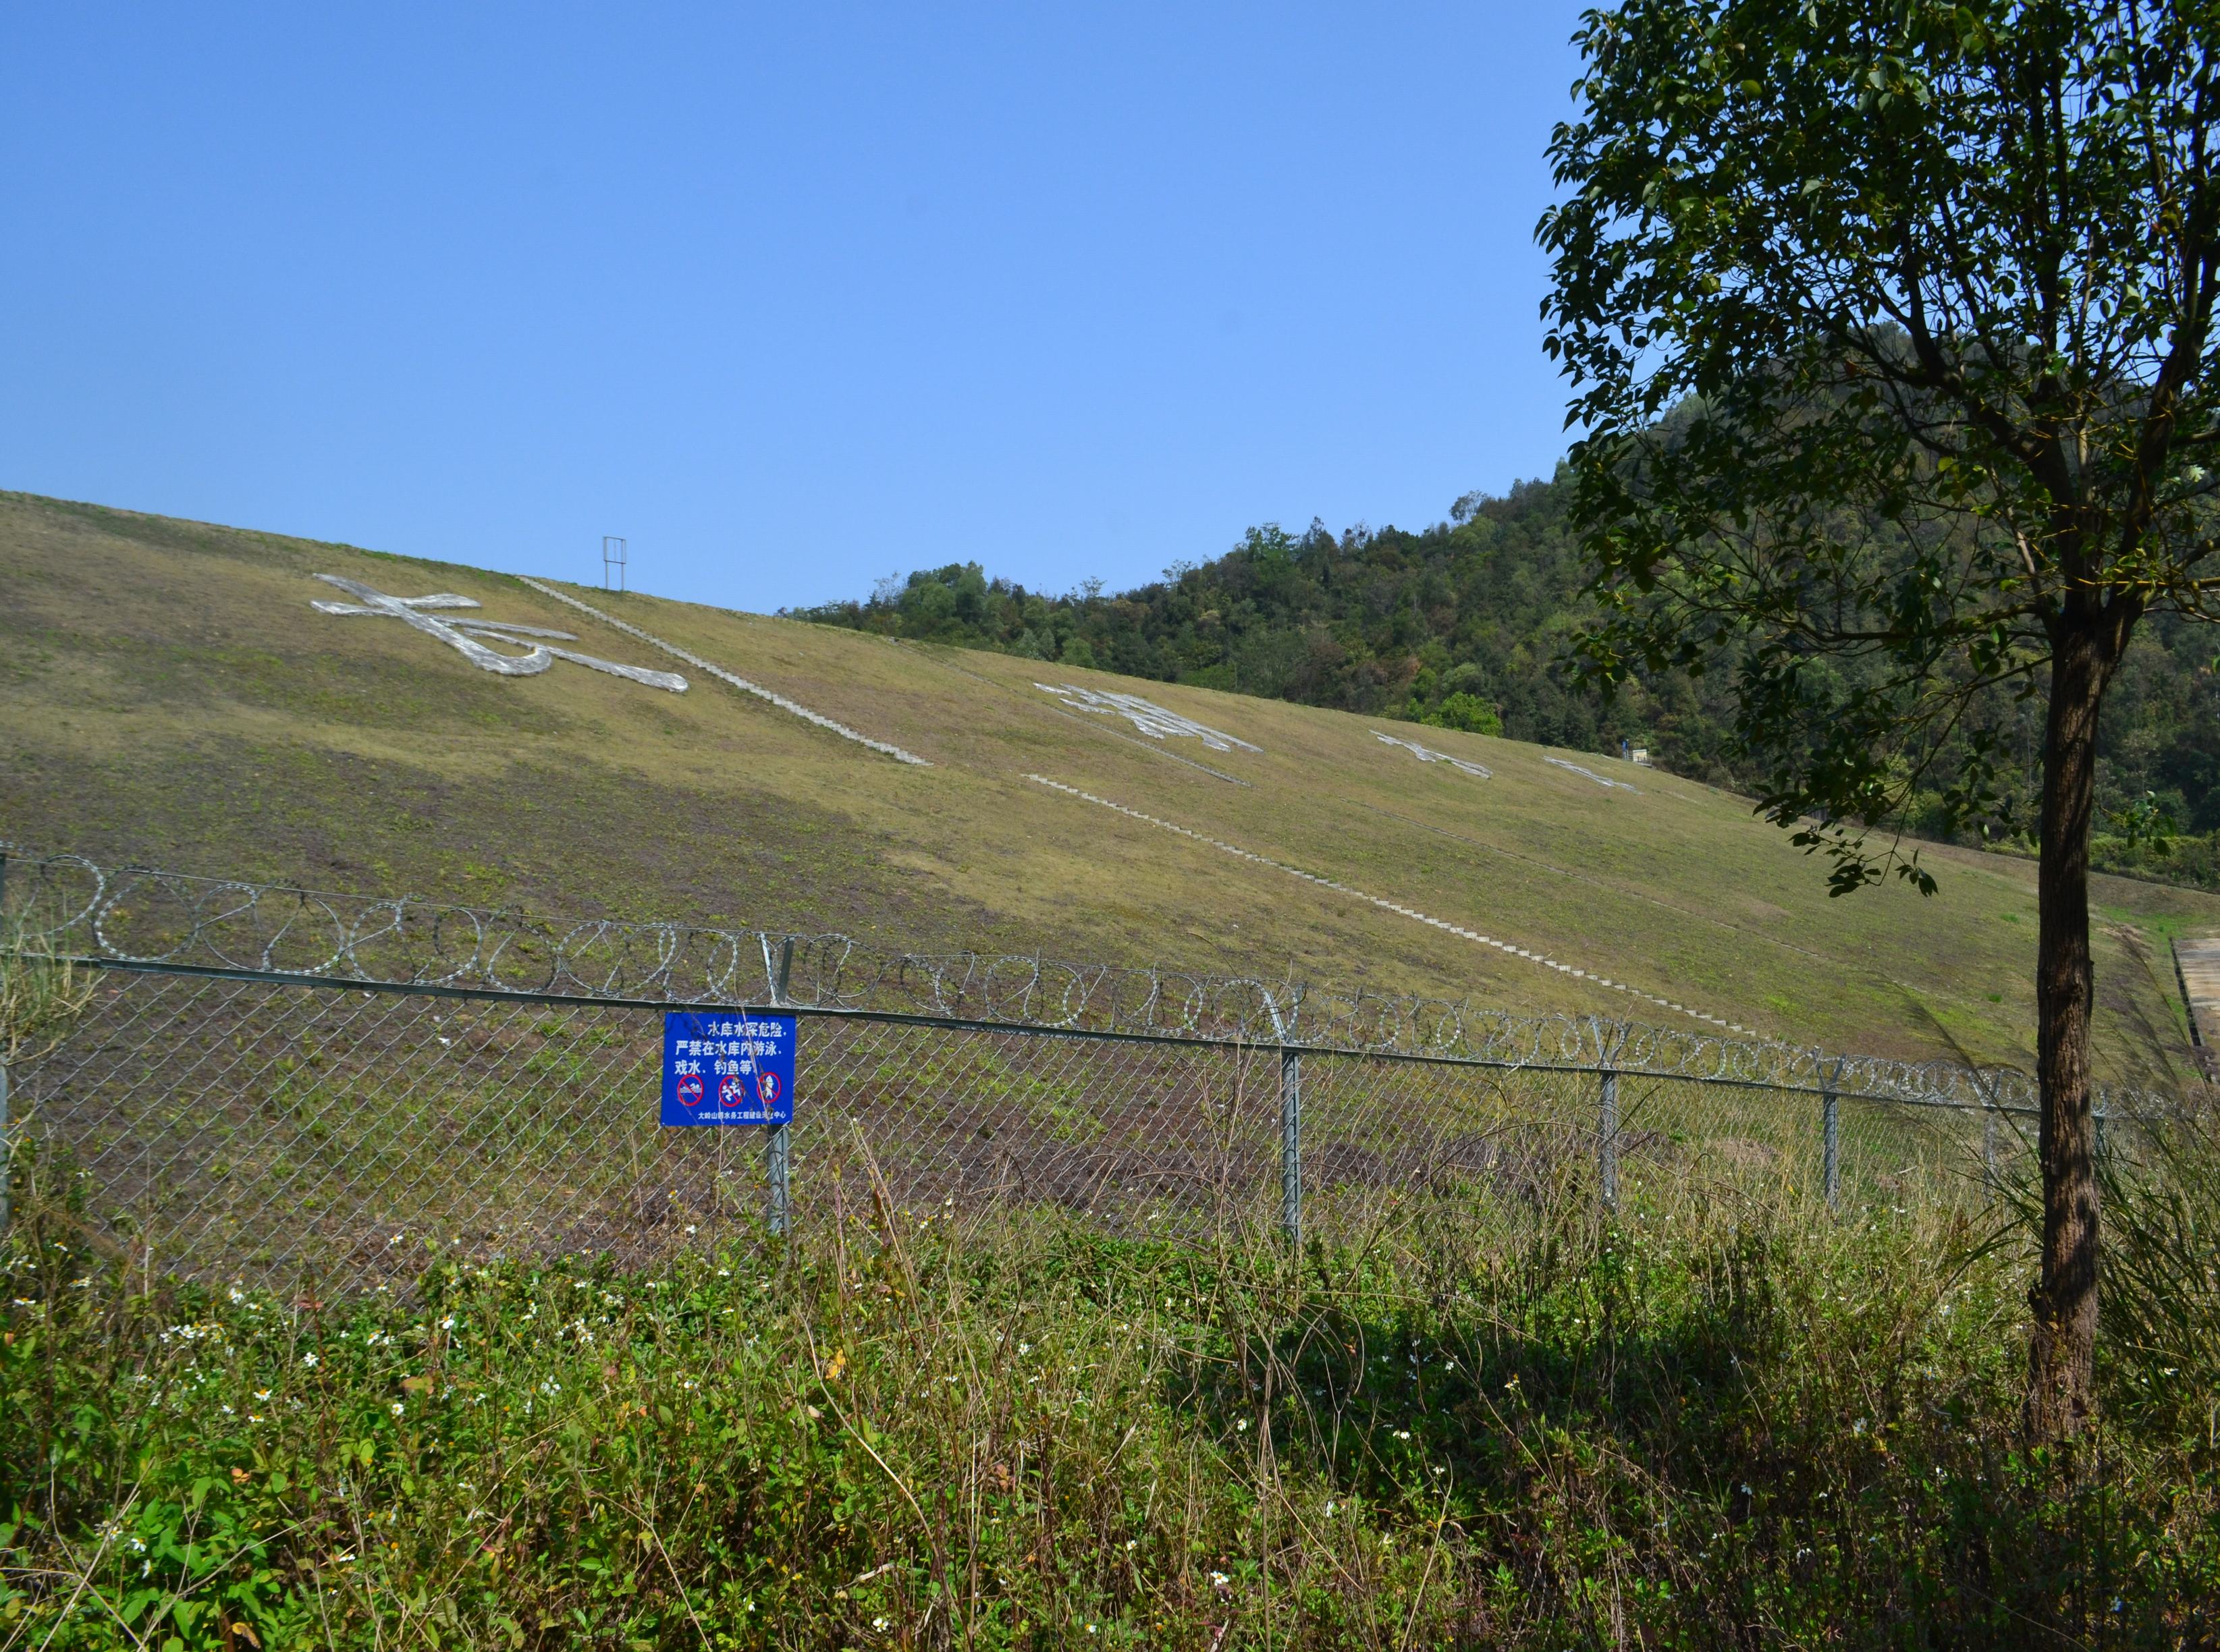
x=1463, y=624
x=1466, y=615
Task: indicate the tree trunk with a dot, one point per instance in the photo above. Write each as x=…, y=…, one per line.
x=2062, y=1395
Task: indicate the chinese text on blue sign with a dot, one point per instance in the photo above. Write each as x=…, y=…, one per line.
x=728, y=1068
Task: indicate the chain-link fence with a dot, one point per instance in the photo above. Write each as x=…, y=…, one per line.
x=238, y=1096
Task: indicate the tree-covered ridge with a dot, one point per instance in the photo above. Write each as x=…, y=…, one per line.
x=1465, y=624
x=1459, y=623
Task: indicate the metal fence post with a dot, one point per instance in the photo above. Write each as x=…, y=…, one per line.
x=778, y=1150
x=1831, y=1147
x=1830, y=1138
x=1607, y=1141
x=1291, y=1146
x=776, y=1154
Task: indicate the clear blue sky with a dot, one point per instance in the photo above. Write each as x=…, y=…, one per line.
x=793, y=296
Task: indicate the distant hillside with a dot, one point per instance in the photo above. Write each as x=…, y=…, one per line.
x=169, y=691
x=1462, y=625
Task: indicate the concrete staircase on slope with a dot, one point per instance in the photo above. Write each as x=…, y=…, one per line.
x=2197, y=966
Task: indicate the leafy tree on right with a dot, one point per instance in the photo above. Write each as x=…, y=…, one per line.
x=1889, y=331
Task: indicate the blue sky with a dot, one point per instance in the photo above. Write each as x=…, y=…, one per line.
x=792, y=298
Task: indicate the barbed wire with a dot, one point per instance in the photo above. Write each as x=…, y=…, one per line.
x=70, y=906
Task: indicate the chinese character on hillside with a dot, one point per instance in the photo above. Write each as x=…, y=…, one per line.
x=463, y=635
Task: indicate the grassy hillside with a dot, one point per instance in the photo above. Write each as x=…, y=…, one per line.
x=167, y=692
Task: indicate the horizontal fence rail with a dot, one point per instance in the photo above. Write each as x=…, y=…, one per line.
x=138, y=917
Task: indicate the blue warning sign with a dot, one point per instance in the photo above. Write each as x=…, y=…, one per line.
x=728, y=1068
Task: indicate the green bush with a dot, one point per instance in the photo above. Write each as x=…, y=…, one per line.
x=1469, y=713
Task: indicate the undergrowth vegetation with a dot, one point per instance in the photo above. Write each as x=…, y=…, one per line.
x=1727, y=1423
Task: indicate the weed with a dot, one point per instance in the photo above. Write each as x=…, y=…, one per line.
x=1719, y=1420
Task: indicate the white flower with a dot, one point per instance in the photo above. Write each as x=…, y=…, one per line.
x=447, y=1324
x=1218, y=1580
x=1242, y=1427
x=398, y=1408
x=262, y=1394
x=1402, y=1433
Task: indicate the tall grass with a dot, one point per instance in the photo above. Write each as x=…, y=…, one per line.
x=41, y=997
x=40, y=994
x=2159, y=1298
x=1718, y=1421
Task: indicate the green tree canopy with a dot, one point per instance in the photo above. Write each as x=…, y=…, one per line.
x=1889, y=328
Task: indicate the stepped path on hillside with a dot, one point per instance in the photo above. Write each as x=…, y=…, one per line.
x=2197, y=962
x=168, y=692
